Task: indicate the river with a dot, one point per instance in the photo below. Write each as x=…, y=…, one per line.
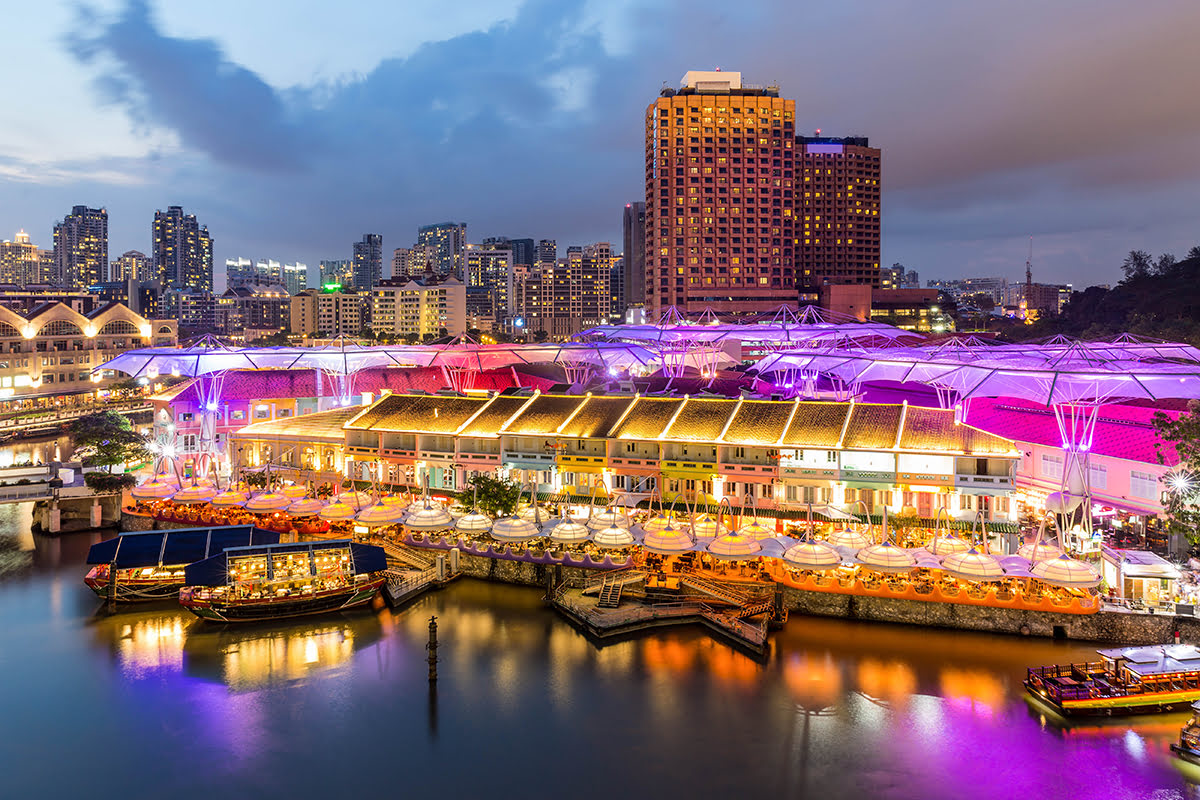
x=152, y=703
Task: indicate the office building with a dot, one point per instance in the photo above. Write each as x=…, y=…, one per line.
x=633, y=281
x=719, y=196
x=447, y=241
x=328, y=312
x=547, y=251
x=340, y=272
x=837, y=210
x=418, y=310
x=133, y=265
x=295, y=277
x=20, y=261
x=81, y=247
x=183, y=256
x=367, y=270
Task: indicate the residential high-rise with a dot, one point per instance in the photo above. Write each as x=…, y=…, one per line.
x=566, y=297
x=132, y=265
x=547, y=251
x=837, y=210
x=337, y=271
x=448, y=241
x=368, y=261
x=183, y=257
x=81, y=247
x=19, y=261
x=295, y=277
x=720, y=227
x=490, y=268
x=411, y=262
x=633, y=288
x=419, y=310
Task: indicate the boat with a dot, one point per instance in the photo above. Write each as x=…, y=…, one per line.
x=1126, y=680
x=255, y=583
x=150, y=564
x=1188, y=746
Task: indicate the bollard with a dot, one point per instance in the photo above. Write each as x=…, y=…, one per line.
x=432, y=648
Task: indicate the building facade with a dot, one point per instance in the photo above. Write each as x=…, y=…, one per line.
x=340, y=272
x=367, y=270
x=252, y=309
x=633, y=289
x=561, y=299
x=133, y=265
x=446, y=242
x=20, y=261
x=418, y=309
x=329, y=312
x=837, y=210
x=183, y=255
x=720, y=227
x=81, y=247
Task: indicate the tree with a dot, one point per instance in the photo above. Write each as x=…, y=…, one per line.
x=495, y=496
x=105, y=439
x=106, y=483
x=1164, y=264
x=1183, y=488
x=1136, y=265
x=1193, y=253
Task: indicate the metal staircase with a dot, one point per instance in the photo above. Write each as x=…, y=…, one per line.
x=610, y=592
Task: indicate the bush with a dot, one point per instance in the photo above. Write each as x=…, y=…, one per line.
x=105, y=483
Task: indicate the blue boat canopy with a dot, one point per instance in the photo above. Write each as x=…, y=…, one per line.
x=214, y=571
x=182, y=546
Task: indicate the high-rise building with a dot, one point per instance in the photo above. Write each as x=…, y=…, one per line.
x=490, y=267
x=368, y=261
x=240, y=271
x=566, y=297
x=330, y=312
x=340, y=272
x=633, y=281
x=183, y=256
x=419, y=309
x=133, y=265
x=448, y=241
x=295, y=277
x=720, y=227
x=837, y=210
x=412, y=262
x=547, y=251
x=20, y=261
x=81, y=247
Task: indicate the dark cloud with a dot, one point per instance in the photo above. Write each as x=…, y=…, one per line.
x=997, y=121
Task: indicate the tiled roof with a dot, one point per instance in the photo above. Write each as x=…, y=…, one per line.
x=543, y=416
x=933, y=429
x=1122, y=431
x=759, y=422
x=701, y=420
x=872, y=427
x=416, y=413
x=648, y=419
x=597, y=417
x=817, y=425
x=496, y=414
x=323, y=425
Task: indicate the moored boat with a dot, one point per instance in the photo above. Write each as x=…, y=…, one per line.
x=1126, y=680
x=249, y=584
x=1188, y=746
x=150, y=565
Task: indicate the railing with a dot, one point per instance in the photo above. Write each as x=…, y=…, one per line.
x=400, y=586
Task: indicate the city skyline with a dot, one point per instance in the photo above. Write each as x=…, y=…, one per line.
x=1040, y=129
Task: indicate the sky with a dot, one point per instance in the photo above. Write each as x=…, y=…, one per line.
x=292, y=129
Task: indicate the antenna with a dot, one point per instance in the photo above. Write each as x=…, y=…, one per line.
x=1029, y=271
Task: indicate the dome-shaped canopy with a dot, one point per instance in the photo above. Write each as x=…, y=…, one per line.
x=296, y=491
x=886, y=557
x=395, y=500
x=514, y=529
x=475, y=522
x=267, y=501
x=379, y=514
x=337, y=512
x=1067, y=572
x=850, y=538
x=567, y=530
x=613, y=536
x=535, y=514
x=734, y=545
x=668, y=540
x=812, y=555
x=756, y=530
x=704, y=526
x=229, y=498
x=1039, y=552
x=608, y=518
x=656, y=523
x=973, y=565
x=945, y=544
x=306, y=507
x=356, y=499
x=196, y=493
x=154, y=490
x=429, y=517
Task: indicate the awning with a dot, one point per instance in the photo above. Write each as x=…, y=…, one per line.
x=182, y=546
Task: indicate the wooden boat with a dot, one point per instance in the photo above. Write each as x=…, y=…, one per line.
x=150, y=565
x=251, y=584
x=1126, y=680
x=1188, y=746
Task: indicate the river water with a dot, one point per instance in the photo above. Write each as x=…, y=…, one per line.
x=153, y=703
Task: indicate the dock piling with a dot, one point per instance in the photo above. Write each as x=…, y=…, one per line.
x=432, y=650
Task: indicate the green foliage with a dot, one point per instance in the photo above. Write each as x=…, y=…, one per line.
x=107, y=483
x=496, y=497
x=106, y=439
x=255, y=480
x=1183, y=497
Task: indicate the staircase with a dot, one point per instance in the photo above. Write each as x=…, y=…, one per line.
x=610, y=592
x=715, y=589
x=753, y=609
x=405, y=557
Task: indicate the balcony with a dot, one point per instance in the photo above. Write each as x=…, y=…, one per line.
x=1000, y=483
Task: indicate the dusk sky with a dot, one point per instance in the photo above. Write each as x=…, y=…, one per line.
x=290, y=134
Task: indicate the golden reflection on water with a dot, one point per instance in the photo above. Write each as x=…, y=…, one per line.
x=255, y=661
x=814, y=681
x=893, y=681
x=148, y=644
